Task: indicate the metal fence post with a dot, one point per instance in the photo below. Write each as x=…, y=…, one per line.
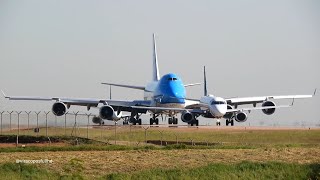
x=18, y=113
x=1, y=120
x=115, y=132
x=28, y=113
x=37, y=113
x=46, y=121
x=75, y=124
x=88, y=125
x=10, y=112
x=65, y=123
x=145, y=133
x=161, y=134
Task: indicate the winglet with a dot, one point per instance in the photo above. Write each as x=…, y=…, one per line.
x=315, y=91
x=4, y=95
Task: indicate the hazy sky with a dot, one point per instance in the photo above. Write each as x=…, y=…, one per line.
x=250, y=48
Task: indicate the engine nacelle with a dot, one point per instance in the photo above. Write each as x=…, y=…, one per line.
x=97, y=120
x=186, y=116
x=229, y=115
x=106, y=112
x=270, y=110
x=59, y=108
x=241, y=117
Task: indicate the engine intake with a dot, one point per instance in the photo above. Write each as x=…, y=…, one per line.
x=186, y=116
x=241, y=117
x=270, y=110
x=106, y=112
x=59, y=108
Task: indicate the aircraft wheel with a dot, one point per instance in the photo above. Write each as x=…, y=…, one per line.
x=232, y=122
x=151, y=121
x=197, y=122
x=170, y=121
x=227, y=122
x=175, y=121
x=157, y=121
x=139, y=121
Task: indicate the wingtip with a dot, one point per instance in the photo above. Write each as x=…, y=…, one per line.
x=315, y=92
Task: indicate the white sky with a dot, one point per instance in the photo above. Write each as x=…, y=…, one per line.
x=250, y=48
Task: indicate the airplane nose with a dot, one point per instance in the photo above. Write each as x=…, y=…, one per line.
x=220, y=110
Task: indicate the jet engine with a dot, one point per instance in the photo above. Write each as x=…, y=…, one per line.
x=97, y=120
x=270, y=110
x=241, y=117
x=107, y=112
x=228, y=115
x=59, y=108
x=186, y=116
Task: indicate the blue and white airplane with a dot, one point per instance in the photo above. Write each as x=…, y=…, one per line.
x=166, y=95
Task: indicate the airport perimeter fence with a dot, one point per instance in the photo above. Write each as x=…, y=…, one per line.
x=80, y=125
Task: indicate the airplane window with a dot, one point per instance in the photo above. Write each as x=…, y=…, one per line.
x=217, y=102
x=174, y=79
x=170, y=79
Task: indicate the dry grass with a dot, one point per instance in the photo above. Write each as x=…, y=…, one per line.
x=104, y=162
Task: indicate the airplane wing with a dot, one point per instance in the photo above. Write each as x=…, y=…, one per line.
x=88, y=102
x=125, y=86
x=257, y=108
x=260, y=99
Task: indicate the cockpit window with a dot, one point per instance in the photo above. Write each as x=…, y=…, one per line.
x=172, y=79
x=217, y=102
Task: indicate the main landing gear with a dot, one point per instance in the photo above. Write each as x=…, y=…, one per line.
x=154, y=120
x=173, y=120
x=194, y=122
x=229, y=121
x=134, y=119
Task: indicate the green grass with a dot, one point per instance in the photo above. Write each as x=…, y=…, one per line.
x=243, y=170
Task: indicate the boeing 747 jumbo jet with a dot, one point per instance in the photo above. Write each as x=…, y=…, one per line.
x=162, y=94
x=166, y=95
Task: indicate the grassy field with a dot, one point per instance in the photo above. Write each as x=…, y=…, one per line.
x=233, y=154
x=242, y=170
x=239, y=136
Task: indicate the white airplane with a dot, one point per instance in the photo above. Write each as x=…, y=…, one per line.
x=161, y=93
x=210, y=106
x=166, y=95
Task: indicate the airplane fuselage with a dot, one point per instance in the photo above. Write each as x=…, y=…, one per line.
x=169, y=91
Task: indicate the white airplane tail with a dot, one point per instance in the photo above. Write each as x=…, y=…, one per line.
x=205, y=81
x=155, y=61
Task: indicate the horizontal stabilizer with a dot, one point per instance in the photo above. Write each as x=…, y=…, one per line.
x=193, y=84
